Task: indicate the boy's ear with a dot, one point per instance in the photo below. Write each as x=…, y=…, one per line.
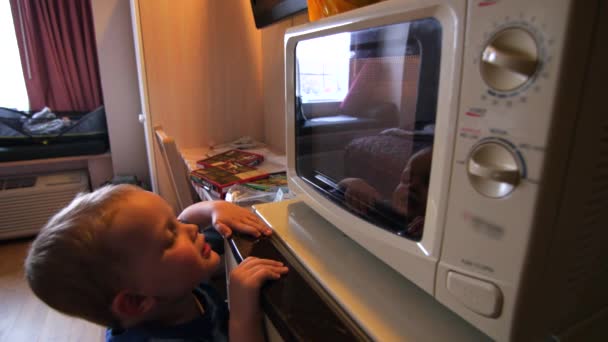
x=129, y=305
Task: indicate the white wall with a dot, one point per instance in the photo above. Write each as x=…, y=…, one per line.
x=116, y=54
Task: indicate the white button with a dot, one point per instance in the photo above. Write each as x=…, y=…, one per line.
x=480, y=296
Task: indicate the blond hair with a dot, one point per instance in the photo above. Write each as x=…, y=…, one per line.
x=70, y=266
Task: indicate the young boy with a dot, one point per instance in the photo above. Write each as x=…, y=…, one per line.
x=119, y=257
x=409, y=196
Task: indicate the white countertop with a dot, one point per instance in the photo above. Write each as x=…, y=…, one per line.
x=385, y=304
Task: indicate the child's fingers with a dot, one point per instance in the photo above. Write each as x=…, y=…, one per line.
x=247, y=224
x=247, y=216
x=250, y=226
x=254, y=221
x=250, y=264
x=253, y=272
x=223, y=229
x=258, y=225
x=247, y=261
x=252, y=261
x=246, y=228
x=260, y=273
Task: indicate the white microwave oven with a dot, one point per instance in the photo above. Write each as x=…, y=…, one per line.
x=465, y=144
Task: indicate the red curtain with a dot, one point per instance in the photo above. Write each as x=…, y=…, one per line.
x=58, y=54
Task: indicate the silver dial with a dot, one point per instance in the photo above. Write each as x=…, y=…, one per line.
x=493, y=169
x=510, y=59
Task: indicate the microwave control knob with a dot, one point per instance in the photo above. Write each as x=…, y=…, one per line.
x=510, y=59
x=493, y=169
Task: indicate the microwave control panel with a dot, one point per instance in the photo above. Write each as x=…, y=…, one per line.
x=513, y=60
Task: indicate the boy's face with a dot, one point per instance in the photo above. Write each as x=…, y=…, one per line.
x=166, y=257
x=411, y=194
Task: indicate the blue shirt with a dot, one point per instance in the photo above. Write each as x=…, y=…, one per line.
x=212, y=326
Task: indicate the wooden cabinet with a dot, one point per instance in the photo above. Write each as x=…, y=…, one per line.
x=207, y=75
x=200, y=73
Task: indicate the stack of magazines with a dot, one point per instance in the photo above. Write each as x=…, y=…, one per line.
x=217, y=173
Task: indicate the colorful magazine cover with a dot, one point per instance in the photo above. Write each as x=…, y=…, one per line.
x=234, y=156
x=232, y=167
x=270, y=183
x=219, y=180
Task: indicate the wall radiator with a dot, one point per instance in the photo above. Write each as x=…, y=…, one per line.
x=27, y=202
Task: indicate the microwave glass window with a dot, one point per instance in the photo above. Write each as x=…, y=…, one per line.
x=365, y=111
x=324, y=68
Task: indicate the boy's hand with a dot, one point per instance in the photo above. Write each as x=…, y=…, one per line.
x=227, y=216
x=244, y=289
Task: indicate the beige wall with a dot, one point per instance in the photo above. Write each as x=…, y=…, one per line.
x=113, y=33
x=274, y=80
x=203, y=70
x=211, y=76
x=214, y=78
